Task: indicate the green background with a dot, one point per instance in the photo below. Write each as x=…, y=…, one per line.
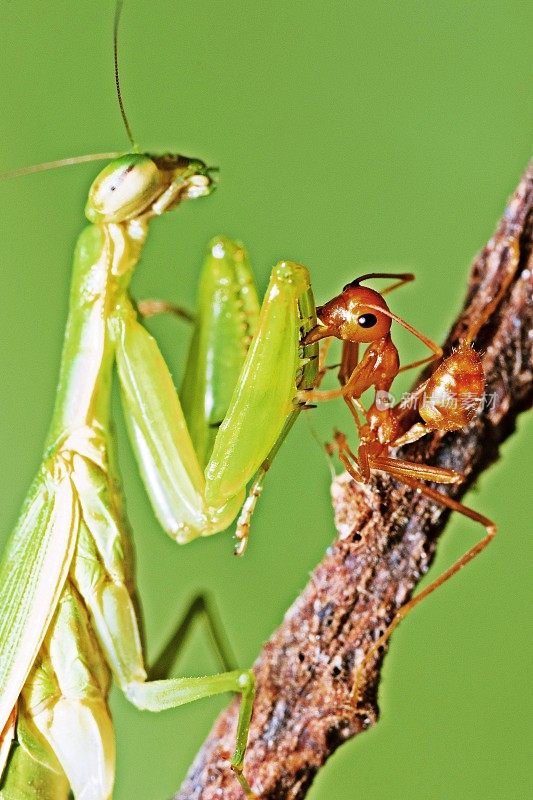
x=351, y=137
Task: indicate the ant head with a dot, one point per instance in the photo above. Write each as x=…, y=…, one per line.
x=354, y=316
x=129, y=185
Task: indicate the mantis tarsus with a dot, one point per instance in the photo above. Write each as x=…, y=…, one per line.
x=68, y=616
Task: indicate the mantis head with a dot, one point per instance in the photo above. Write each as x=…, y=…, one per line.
x=137, y=183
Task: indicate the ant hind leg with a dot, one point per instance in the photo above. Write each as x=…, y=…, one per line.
x=453, y=505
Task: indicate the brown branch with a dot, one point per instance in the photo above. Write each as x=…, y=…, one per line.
x=387, y=536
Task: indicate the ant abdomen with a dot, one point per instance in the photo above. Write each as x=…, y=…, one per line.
x=454, y=393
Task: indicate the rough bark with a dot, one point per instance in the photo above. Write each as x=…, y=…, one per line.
x=386, y=539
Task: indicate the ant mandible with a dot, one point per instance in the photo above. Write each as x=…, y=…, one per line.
x=448, y=401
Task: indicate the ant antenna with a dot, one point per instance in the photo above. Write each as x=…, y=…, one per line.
x=62, y=162
x=403, y=277
x=435, y=348
x=118, y=12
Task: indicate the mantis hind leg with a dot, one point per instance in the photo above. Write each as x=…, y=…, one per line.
x=453, y=505
x=173, y=692
x=202, y=607
x=158, y=693
x=115, y=623
x=162, y=694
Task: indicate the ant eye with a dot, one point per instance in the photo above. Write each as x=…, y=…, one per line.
x=367, y=320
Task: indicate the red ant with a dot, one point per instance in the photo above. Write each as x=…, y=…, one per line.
x=448, y=401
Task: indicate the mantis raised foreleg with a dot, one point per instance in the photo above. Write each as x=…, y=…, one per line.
x=239, y=405
x=65, y=583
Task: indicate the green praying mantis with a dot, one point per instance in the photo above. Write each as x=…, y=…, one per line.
x=65, y=584
x=69, y=616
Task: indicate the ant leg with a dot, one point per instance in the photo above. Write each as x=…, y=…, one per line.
x=355, y=408
x=306, y=396
x=403, y=469
x=342, y=445
x=361, y=378
x=489, y=308
x=323, y=351
x=415, y=432
x=348, y=458
x=149, y=308
x=454, y=505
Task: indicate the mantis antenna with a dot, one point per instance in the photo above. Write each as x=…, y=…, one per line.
x=67, y=162
x=62, y=162
x=118, y=12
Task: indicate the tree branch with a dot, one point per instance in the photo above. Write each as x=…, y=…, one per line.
x=386, y=539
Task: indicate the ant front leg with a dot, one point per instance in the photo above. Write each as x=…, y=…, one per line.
x=323, y=351
x=362, y=377
x=348, y=458
x=453, y=505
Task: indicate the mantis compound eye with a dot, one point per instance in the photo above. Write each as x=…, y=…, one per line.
x=123, y=189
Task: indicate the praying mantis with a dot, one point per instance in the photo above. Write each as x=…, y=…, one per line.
x=65, y=582
x=66, y=585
